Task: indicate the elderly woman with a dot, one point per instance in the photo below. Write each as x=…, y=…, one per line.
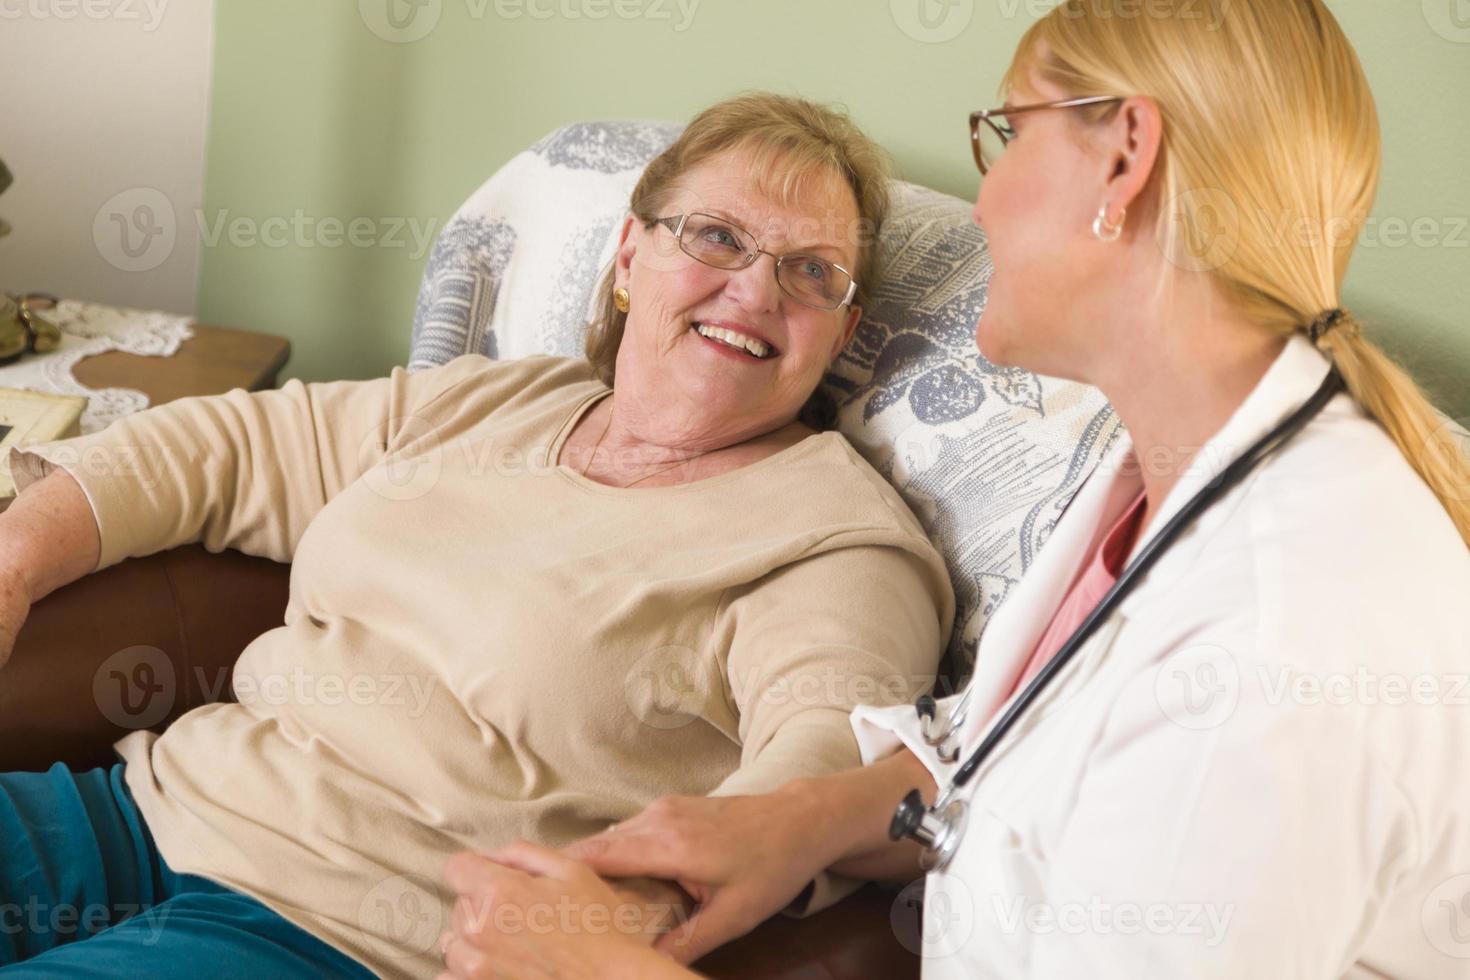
x=527, y=598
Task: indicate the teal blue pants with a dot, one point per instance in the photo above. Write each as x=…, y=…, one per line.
x=84, y=893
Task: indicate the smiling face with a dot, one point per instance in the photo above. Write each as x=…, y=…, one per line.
x=681, y=350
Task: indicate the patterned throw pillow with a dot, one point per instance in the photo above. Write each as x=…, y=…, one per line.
x=513, y=272
x=987, y=457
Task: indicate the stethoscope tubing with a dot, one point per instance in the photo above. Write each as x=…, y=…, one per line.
x=1226, y=480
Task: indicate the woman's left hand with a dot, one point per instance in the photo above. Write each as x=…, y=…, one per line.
x=526, y=911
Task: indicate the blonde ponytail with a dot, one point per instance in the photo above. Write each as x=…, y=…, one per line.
x=1429, y=441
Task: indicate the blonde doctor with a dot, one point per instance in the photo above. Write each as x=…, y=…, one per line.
x=1253, y=764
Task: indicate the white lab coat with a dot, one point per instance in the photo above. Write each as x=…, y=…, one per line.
x=1257, y=768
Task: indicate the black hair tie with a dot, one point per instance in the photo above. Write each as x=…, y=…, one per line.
x=1325, y=322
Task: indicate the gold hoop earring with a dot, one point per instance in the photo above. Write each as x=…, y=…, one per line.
x=1104, y=231
x=622, y=300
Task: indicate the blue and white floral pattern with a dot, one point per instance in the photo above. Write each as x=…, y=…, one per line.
x=605, y=148
x=457, y=295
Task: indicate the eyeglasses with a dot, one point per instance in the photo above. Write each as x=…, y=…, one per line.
x=722, y=244
x=989, y=140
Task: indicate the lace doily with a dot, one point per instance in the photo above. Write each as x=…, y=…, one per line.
x=87, y=329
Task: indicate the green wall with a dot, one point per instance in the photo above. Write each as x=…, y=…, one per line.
x=317, y=120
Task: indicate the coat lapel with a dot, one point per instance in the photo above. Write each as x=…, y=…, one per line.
x=1014, y=631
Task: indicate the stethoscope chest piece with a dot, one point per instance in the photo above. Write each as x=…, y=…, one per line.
x=939, y=829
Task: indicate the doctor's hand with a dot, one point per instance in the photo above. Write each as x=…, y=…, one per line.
x=742, y=858
x=526, y=912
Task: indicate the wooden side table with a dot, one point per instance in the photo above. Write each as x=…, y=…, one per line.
x=213, y=361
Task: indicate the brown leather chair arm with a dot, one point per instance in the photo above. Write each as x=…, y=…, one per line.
x=133, y=646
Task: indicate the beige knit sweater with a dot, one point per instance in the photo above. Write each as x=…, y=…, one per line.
x=480, y=645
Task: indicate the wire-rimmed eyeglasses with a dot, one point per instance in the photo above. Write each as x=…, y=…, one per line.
x=988, y=138
x=719, y=242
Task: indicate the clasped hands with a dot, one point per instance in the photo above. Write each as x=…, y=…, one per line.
x=641, y=899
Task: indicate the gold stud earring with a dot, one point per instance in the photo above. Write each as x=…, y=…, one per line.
x=621, y=299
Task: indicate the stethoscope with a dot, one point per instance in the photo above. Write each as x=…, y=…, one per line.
x=941, y=827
